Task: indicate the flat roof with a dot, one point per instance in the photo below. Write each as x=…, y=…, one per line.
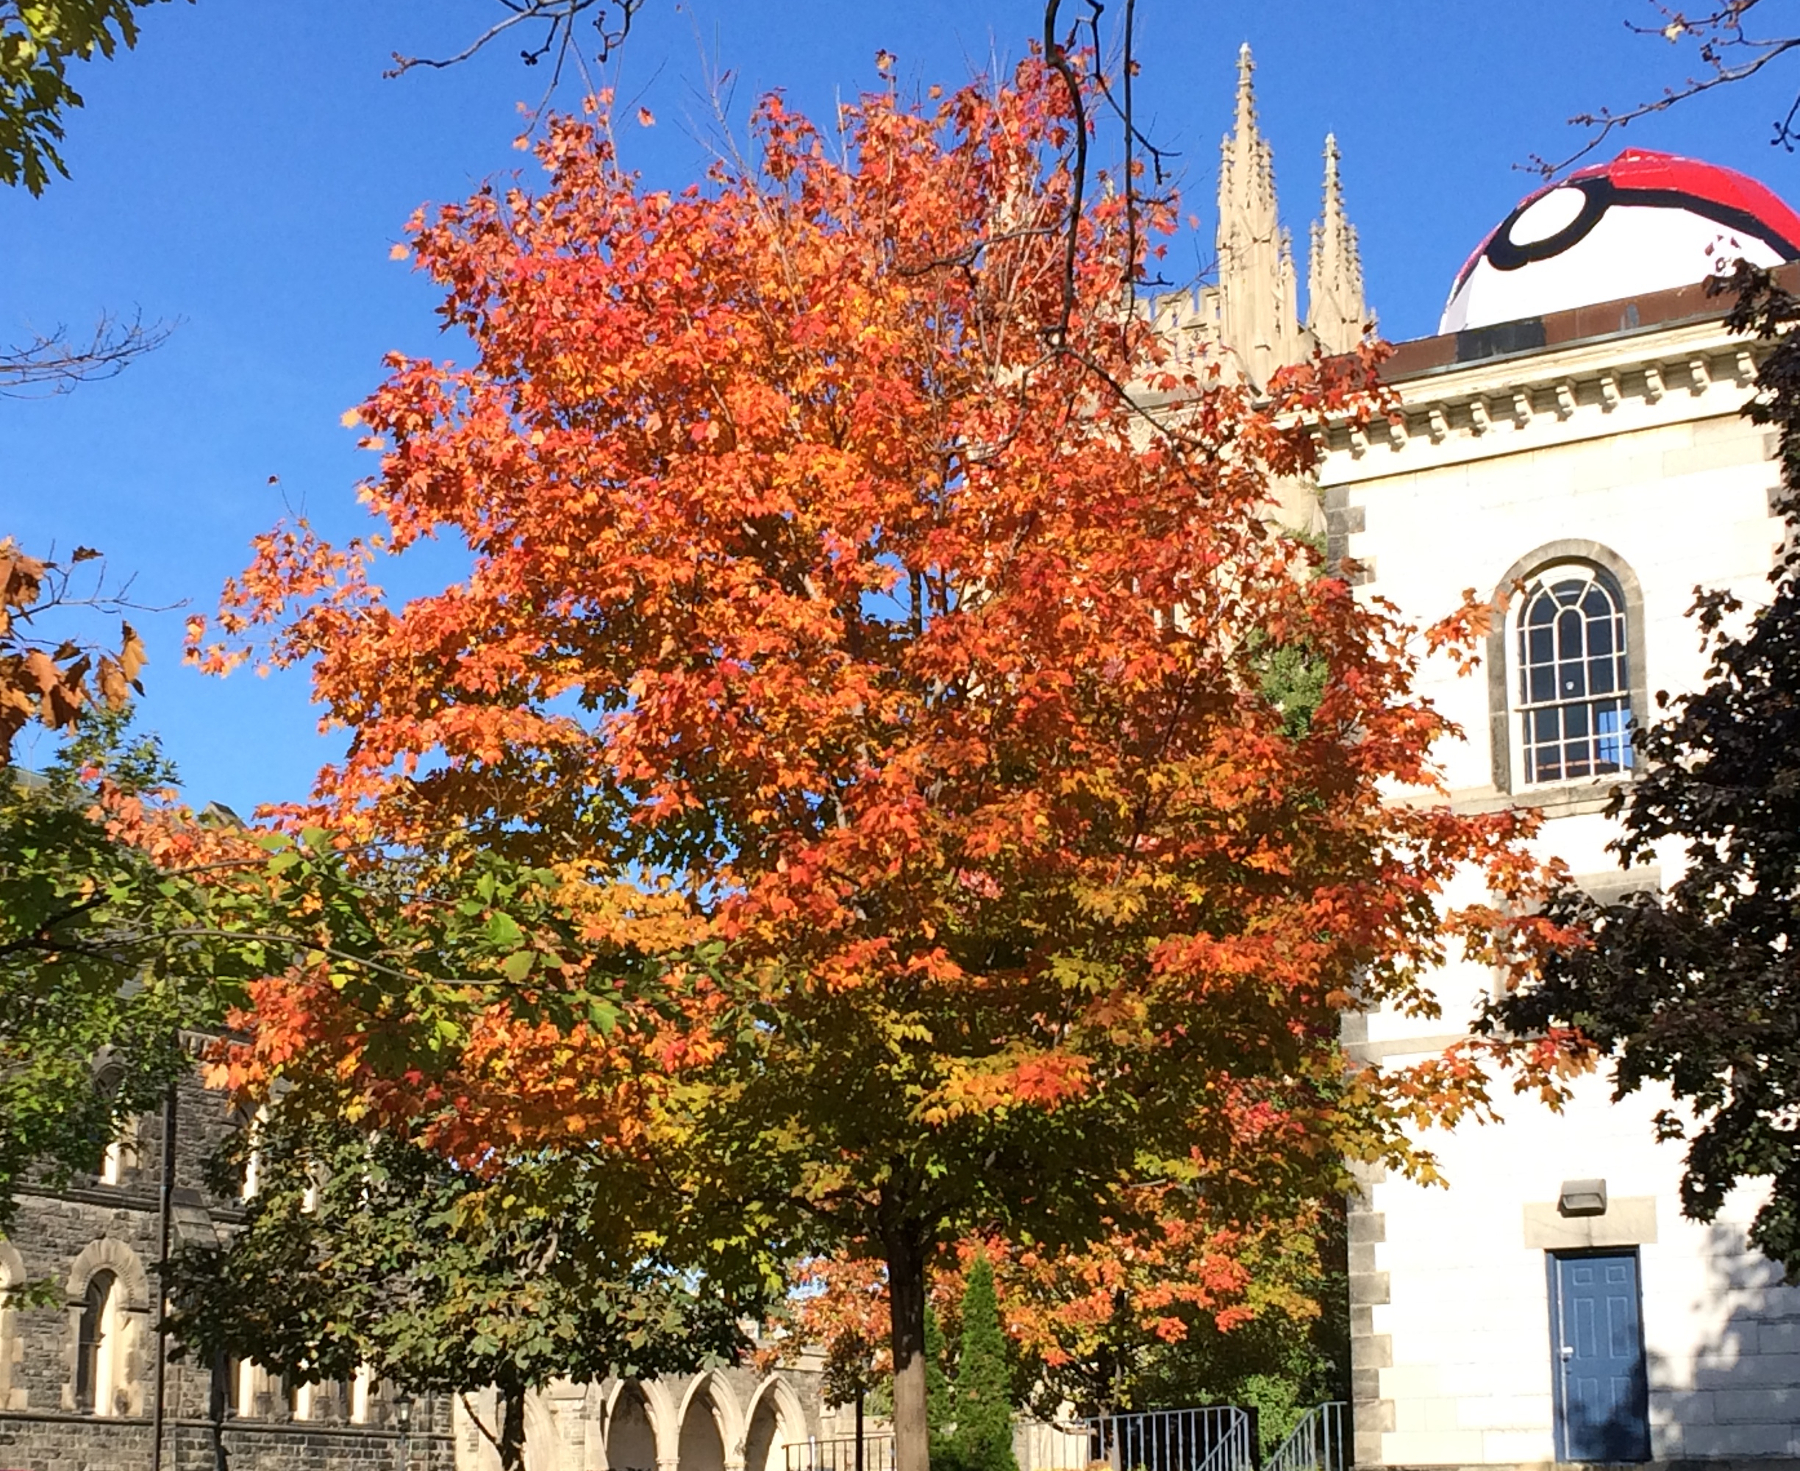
x=1529, y=336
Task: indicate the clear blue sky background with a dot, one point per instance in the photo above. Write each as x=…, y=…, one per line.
x=246, y=170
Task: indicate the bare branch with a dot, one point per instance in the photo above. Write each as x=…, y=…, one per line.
x=1728, y=54
x=1057, y=55
x=554, y=26
x=54, y=363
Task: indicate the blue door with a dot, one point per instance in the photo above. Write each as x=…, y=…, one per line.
x=1602, y=1394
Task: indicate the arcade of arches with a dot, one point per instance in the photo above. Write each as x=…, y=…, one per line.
x=721, y=1420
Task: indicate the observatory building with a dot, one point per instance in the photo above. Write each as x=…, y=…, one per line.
x=1571, y=441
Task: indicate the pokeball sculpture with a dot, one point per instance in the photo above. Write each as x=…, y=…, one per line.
x=1644, y=222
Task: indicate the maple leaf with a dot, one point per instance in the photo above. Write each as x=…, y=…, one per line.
x=822, y=582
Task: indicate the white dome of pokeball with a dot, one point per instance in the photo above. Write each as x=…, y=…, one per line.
x=1644, y=222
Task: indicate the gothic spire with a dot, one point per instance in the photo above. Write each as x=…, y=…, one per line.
x=1256, y=272
x=1335, y=309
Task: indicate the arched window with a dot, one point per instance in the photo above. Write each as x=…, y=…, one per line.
x=97, y=1345
x=1572, y=676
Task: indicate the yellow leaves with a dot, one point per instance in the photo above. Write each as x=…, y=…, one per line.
x=350, y=418
x=646, y=118
x=397, y=251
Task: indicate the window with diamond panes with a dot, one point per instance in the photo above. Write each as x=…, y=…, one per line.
x=1574, y=685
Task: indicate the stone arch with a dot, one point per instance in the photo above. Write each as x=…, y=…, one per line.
x=123, y=1393
x=121, y=1260
x=711, y=1426
x=12, y=1345
x=1575, y=552
x=543, y=1444
x=640, y=1429
x=474, y=1415
x=775, y=1419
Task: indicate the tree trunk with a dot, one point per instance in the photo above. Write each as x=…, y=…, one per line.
x=906, y=1310
x=512, y=1427
x=217, y=1402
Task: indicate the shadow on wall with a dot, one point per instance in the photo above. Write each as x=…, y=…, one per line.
x=1738, y=1394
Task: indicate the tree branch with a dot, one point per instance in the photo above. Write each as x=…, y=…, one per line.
x=1730, y=56
x=54, y=363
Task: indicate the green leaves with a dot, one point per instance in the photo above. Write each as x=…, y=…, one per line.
x=1698, y=986
x=38, y=40
x=362, y=1248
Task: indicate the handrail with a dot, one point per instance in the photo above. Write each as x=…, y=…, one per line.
x=838, y=1453
x=1320, y=1442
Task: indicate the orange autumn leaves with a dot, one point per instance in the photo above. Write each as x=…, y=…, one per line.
x=50, y=680
x=823, y=596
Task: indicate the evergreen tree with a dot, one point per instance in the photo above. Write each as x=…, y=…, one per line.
x=983, y=1437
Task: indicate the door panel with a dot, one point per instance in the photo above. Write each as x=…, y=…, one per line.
x=1602, y=1392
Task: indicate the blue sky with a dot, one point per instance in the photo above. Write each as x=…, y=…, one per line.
x=247, y=169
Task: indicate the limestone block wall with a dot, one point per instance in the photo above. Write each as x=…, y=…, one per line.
x=1629, y=452
x=1454, y=1355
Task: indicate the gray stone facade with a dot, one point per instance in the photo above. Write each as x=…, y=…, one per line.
x=102, y=1224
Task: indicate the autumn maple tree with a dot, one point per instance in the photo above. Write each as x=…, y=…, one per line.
x=868, y=616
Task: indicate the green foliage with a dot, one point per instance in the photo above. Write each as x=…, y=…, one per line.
x=38, y=40
x=1698, y=987
x=983, y=1438
x=1293, y=673
x=1293, y=1354
x=90, y=1018
x=362, y=1248
x=108, y=954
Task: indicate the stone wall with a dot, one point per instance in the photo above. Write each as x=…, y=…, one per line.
x=732, y=1419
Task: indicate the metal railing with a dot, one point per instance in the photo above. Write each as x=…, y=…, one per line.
x=1320, y=1442
x=839, y=1453
x=1216, y=1438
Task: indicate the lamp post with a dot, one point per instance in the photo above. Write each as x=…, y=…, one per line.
x=403, y=1423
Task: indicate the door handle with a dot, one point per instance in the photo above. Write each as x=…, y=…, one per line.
x=1567, y=1353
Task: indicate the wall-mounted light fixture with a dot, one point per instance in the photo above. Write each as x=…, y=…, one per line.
x=1582, y=1198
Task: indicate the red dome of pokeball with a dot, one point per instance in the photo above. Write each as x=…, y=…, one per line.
x=1644, y=222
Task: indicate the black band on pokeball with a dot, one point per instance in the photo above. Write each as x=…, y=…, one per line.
x=1598, y=195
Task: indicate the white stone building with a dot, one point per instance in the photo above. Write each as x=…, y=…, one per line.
x=1571, y=440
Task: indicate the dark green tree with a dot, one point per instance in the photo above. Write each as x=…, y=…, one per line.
x=983, y=1439
x=1698, y=986
x=365, y=1249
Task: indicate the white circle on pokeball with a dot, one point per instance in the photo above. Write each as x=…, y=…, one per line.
x=1548, y=216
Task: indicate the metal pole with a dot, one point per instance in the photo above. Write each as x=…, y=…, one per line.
x=859, y=1428
x=165, y=1208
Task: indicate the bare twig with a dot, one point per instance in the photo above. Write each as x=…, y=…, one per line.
x=1729, y=55
x=554, y=25
x=1057, y=55
x=53, y=363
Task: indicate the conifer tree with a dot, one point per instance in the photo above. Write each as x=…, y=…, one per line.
x=983, y=1437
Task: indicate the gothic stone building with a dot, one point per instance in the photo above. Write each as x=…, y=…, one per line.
x=81, y=1385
